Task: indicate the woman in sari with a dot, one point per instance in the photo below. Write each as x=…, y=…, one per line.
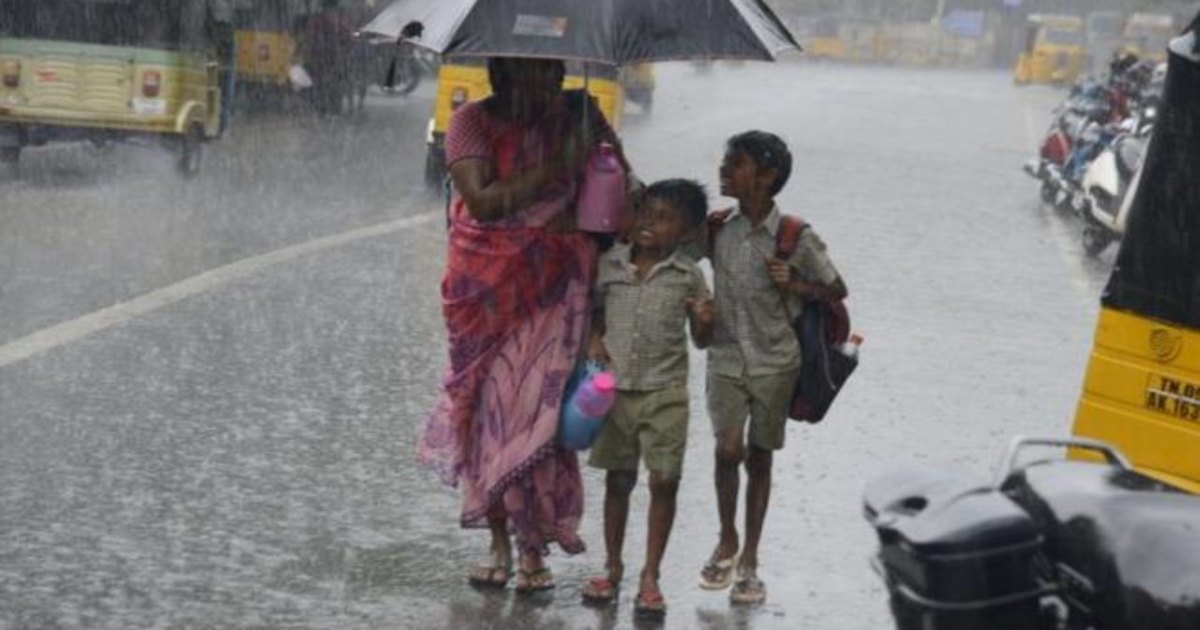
x=515, y=298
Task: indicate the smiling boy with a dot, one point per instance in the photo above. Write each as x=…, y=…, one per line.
x=647, y=293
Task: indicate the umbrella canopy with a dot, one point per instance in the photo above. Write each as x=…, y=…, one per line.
x=605, y=31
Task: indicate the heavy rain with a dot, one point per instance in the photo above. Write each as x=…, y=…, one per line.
x=225, y=225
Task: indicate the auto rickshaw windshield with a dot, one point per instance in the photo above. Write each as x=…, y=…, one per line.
x=1062, y=37
x=162, y=24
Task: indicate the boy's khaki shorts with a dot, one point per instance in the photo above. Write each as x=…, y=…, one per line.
x=652, y=425
x=764, y=400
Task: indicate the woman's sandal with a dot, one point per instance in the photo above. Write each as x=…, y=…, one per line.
x=490, y=576
x=534, y=580
x=650, y=604
x=717, y=574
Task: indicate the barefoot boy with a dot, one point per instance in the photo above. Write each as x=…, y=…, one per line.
x=646, y=292
x=754, y=358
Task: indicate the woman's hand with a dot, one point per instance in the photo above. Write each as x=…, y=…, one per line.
x=597, y=351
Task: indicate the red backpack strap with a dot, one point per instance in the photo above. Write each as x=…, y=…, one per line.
x=787, y=237
x=716, y=221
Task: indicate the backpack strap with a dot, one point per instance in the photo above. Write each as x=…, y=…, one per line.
x=787, y=237
x=716, y=221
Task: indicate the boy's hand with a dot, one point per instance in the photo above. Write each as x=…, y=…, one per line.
x=597, y=351
x=781, y=273
x=702, y=311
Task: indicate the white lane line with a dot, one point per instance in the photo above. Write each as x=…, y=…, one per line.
x=66, y=332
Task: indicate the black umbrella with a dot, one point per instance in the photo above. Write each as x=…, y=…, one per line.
x=613, y=32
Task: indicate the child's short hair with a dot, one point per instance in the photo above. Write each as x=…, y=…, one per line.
x=684, y=194
x=768, y=151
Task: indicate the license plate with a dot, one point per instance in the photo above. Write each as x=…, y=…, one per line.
x=1173, y=397
x=149, y=106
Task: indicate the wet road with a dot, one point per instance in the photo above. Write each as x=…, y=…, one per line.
x=210, y=390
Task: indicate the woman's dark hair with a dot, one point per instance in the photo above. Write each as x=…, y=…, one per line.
x=685, y=194
x=768, y=151
x=501, y=69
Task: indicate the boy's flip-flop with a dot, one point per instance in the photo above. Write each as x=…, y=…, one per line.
x=534, y=580
x=748, y=590
x=599, y=590
x=489, y=576
x=717, y=574
x=650, y=604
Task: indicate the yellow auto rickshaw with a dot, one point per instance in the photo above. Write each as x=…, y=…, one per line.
x=1147, y=34
x=823, y=39
x=1142, y=388
x=1055, y=50
x=264, y=43
x=638, y=82
x=465, y=79
x=81, y=70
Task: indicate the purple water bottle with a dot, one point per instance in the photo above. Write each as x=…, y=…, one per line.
x=583, y=414
x=602, y=197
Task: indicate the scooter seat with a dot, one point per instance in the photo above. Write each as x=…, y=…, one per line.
x=1129, y=545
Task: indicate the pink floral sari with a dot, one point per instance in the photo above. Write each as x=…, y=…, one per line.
x=516, y=303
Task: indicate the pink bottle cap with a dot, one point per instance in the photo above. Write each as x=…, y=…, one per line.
x=604, y=382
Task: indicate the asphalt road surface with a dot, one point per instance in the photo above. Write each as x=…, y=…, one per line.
x=210, y=390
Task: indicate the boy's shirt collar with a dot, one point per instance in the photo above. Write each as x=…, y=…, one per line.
x=770, y=223
x=623, y=255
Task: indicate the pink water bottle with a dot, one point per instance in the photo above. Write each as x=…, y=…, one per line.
x=602, y=194
x=583, y=414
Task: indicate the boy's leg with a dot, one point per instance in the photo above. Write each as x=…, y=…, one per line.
x=662, y=425
x=770, y=399
x=616, y=451
x=758, y=496
x=664, y=487
x=619, y=485
x=728, y=407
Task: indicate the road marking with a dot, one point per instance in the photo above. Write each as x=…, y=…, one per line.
x=66, y=332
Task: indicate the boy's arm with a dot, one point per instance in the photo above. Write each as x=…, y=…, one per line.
x=596, y=349
x=702, y=314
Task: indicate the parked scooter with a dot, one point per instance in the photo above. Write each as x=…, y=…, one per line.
x=1111, y=180
x=1049, y=545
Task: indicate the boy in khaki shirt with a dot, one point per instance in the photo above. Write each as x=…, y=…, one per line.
x=647, y=292
x=755, y=358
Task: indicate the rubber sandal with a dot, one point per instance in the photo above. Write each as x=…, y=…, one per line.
x=650, y=604
x=748, y=591
x=526, y=579
x=490, y=576
x=599, y=590
x=717, y=574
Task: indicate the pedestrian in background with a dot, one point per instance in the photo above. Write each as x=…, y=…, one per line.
x=648, y=293
x=516, y=301
x=327, y=42
x=754, y=358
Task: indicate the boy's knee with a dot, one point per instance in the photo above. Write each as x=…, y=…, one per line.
x=730, y=453
x=621, y=482
x=664, y=484
x=758, y=461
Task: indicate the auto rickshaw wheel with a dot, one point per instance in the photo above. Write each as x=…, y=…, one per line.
x=435, y=171
x=1095, y=240
x=191, y=151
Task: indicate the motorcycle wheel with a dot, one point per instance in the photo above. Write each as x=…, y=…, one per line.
x=1095, y=240
x=1047, y=191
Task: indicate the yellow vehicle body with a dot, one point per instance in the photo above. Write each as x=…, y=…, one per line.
x=638, y=83
x=1147, y=34
x=825, y=48
x=1142, y=393
x=463, y=81
x=263, y=57
x=70, y=90
x=1055, y=51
